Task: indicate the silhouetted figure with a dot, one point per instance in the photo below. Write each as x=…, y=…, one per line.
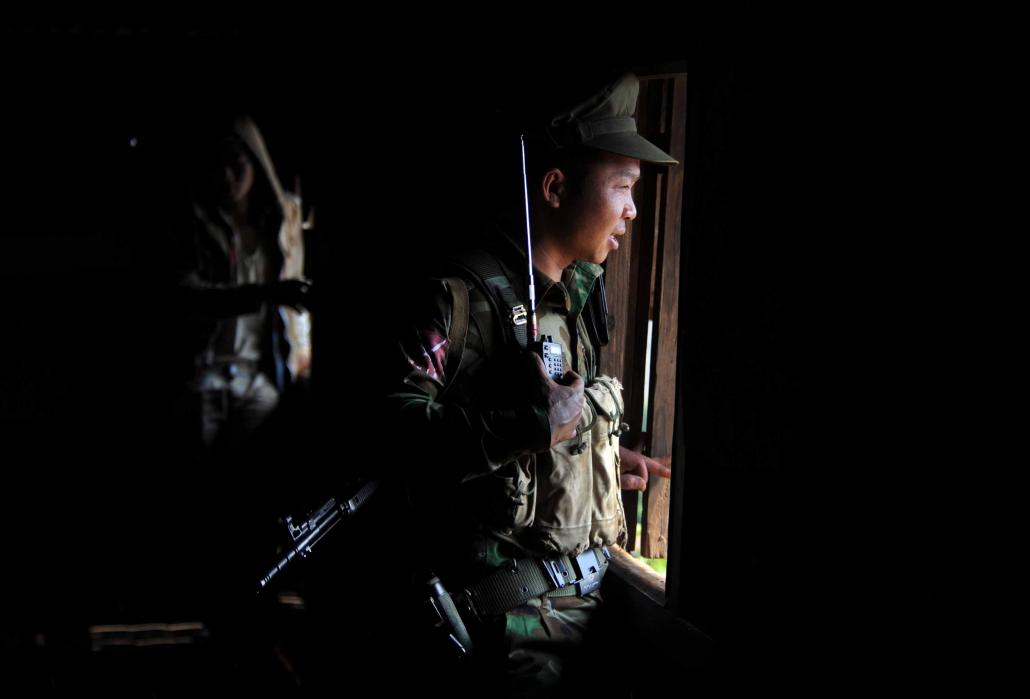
x=239, y=271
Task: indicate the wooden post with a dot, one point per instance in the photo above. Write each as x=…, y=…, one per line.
x=642, y=279
x=672, y=102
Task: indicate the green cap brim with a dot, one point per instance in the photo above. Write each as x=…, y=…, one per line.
x=632, y=145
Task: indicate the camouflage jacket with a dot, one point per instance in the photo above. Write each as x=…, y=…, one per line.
x=485, y=481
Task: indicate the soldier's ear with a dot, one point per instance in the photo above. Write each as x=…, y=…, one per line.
x=553, y=187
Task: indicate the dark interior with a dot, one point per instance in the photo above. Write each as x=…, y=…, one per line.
x=780, y=557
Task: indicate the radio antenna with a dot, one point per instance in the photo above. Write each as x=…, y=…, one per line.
x=529, y=245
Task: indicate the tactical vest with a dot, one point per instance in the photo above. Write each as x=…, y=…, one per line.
x=567, y=499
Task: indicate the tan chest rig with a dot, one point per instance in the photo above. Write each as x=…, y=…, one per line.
x=568, y=498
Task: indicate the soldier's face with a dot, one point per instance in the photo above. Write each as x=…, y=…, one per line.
x=600, y=206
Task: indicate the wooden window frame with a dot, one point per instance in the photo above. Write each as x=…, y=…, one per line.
x=643, y=285
x=643, y=282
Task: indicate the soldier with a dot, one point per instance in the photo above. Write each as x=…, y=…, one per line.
x=515, y=476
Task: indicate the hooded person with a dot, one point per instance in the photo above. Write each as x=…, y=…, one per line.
x=239, y=263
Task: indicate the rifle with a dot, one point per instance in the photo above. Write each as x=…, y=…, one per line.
x=318, y=524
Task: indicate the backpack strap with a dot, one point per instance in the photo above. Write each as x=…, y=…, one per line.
x=508, y=313
x=491, y=277
x=485, y=313
x=459, y=323
x=597, y=318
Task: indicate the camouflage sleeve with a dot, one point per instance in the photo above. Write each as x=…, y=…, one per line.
x=469, y=442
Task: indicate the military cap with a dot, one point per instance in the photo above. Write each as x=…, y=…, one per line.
x=604, y=121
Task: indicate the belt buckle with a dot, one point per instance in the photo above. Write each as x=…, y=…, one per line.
x=589, y=571
x=518, y=315
x=556, y=570
x=463, y=603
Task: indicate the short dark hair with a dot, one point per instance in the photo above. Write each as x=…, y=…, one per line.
x=576, y=162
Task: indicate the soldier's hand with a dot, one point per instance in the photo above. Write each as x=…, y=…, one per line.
x=637, y=468
x=564, y=401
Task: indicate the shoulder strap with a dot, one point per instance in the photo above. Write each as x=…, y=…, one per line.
x=490, y=275
x=459, y=323
x=595, y=313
